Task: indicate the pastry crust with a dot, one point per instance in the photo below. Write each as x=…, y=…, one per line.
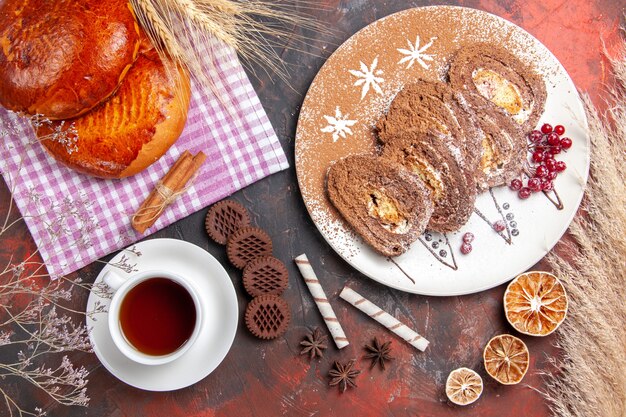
x=61, y=58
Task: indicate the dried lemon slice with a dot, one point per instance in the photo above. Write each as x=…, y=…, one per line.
x=506, y=359
x=535, y=303
x=464, y=386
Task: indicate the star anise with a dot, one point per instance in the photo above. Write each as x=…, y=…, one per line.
x=343, y=375
x=314, y=344
x=378, y=353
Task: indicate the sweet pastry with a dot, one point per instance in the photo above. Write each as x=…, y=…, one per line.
x=435, y=160
x=384, y=203
x=225, y=218
x=502, y=147
x=246, y=244
x=265, y=275
x=267, y=316
x=61, y=58
x=495, y=76
x=131, y=130
x=432, y=106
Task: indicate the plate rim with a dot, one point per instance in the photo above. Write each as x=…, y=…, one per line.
x=566, y=224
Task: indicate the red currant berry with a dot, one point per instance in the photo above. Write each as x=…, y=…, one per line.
x=468, y=237
x=550, y=164
x=516, y=184
x=559, y=129
x=546, y=128
x=560, y=166
x=524, y=193
x=535, y=136
x=499, y=225
x=554, y=150
x=538, y=156
x=566, y=143
x=534, y=184
x=466, y=248
x=547, y=185
x=551, y=176
x=540, y=149
x=541, y=171
x=553, y=139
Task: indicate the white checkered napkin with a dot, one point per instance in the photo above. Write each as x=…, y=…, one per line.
x=75, y=219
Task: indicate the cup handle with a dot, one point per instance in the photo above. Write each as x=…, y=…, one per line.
x=113, y=280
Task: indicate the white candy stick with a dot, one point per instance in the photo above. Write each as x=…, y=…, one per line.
x=384, y=318
x=322, y=301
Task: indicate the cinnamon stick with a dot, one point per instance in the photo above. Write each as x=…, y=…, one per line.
x=166, y=190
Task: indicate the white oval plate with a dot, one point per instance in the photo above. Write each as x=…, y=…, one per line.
x=220, y=321
x=340, y=96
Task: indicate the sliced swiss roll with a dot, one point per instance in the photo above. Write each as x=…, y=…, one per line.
x=502, y=147
x=435, y=160
x=495, y=76
x=383, y=202
x=431, y=106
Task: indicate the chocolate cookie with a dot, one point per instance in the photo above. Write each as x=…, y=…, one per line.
x=495, y=76
x=265, y=275
x=435, y=160
x=224, y=218
x=384, y=203
x=432, y=106
x=246, y=244
x=267, y=316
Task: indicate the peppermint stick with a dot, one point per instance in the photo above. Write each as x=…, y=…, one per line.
x=384, y=318
x=322, y=301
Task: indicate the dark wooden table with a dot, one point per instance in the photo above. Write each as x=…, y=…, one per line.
x=260, y=378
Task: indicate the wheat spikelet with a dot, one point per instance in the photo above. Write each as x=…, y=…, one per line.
x=186, y=31
x=591, y=376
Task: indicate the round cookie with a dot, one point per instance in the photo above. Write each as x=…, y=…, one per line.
x=265, y=275
x=246, y=244
x=267, y=316
x=225, y=218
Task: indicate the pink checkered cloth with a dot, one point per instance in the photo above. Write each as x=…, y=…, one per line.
x=75, y=219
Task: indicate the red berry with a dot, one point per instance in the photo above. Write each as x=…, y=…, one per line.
x=550, y=164
x=534, y=184
x=516, y=184
x=566, y=143
x=553, y=139
x=466, y=248
x=559, y=129
x=546, y=128
x=499, y=225
x=468, y=237
x=538, y=156
x=541, y=171
x=560, y=166
x=547, y=185
x=540, y=149
x=535, y=136
x=524, y=193
x=554, y=150
x=552, y=176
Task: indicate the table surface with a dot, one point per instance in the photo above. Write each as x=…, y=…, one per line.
x=270, y=378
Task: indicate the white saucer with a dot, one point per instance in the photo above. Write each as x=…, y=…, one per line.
x=216, y=336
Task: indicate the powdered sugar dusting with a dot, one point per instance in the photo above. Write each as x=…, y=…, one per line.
x=354, y=89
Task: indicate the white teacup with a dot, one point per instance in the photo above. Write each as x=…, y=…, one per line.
x=122, y=286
